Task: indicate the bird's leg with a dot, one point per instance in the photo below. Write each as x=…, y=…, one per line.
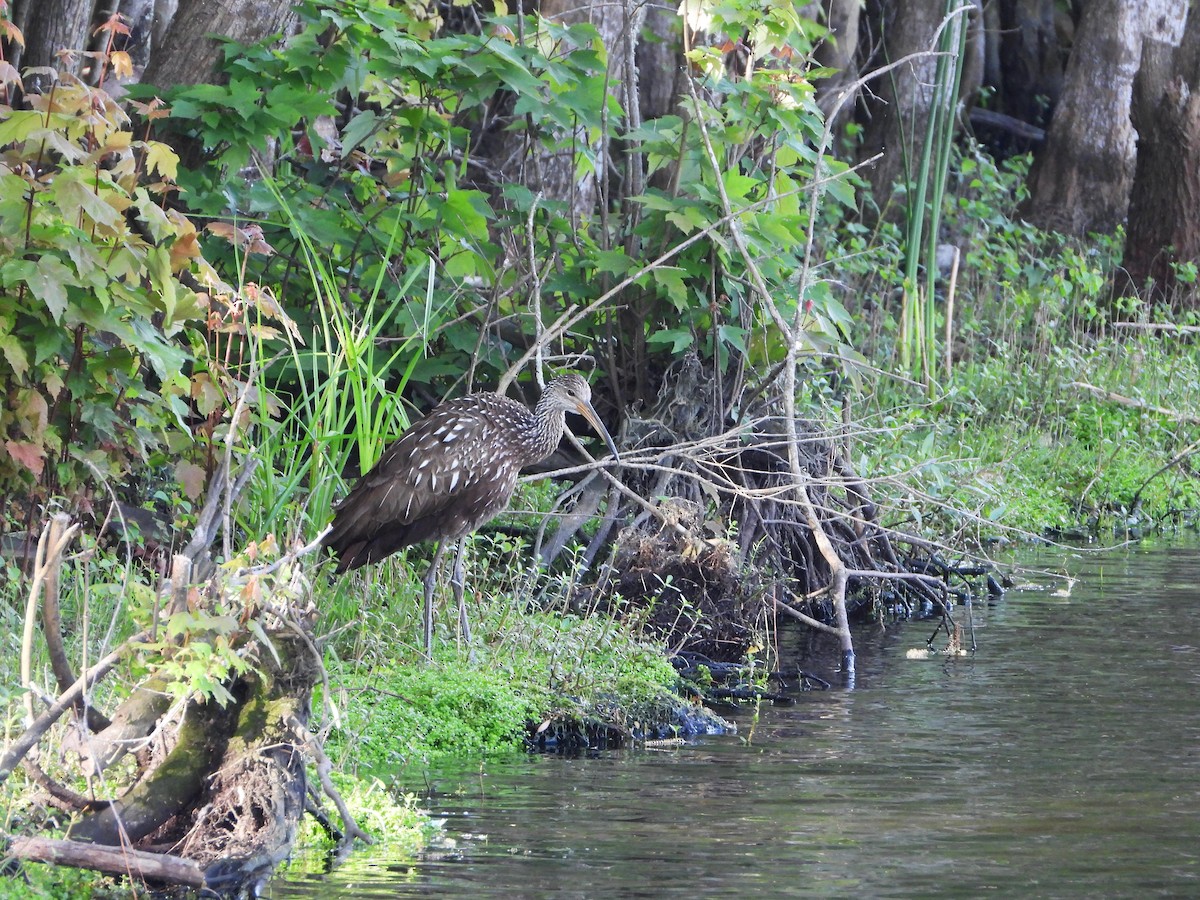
x=431, y=583
x=459, y=580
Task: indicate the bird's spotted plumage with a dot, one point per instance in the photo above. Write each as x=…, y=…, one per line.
x=452, y=471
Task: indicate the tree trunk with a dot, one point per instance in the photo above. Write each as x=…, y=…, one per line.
x=556, y=173
x=1164, y=213
x=1031, y=58
x=53, y=26
x=838, y=51
x=1082, y=175
x=660, y=64
x=188, y=55
x=900, y=102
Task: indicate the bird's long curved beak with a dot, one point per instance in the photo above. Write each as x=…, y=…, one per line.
x=585, y=410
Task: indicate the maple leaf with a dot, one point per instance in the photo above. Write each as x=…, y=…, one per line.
x=162, y=159
x=10, y=75
x=191, y=477
x=155, y=109
x=31, y=456
x=48, y=283
x=12, y=32
x=114, y=24
x=122, y=64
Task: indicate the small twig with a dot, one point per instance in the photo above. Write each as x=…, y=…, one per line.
x=45, y=561
x=62, y=797
x=205, y=530
x=1158, y=326
x=267, y=568
x=1122, y=400
x=324, y=767
x=1171, y=463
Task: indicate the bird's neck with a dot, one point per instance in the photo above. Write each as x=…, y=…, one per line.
x=544, y=430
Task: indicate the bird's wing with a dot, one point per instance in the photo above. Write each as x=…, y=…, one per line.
x=439, y=480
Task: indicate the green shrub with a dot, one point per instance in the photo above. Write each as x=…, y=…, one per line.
x=102, y=303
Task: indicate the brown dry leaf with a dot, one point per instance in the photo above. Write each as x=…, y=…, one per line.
x=191, y=477
x=183, y=249
x=31, y=456
x=248, y=238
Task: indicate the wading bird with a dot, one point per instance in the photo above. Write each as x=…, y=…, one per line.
x=448, y=474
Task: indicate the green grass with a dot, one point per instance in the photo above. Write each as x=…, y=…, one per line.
x=1017, y=444
x=523, y=666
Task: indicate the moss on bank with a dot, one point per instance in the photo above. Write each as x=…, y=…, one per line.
x=522, y=668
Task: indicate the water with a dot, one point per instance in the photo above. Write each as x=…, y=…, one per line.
x=1062, y=760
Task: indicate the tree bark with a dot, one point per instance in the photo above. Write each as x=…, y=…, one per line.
x=169, y=789
x=54, y=26
x=899, y=108
x=838, y=51
x=1031, y=58
x=1082, y=175
x=188, y=55
x=115, y=861
x=660, y=64
x=1164, y=212
x=556, y=173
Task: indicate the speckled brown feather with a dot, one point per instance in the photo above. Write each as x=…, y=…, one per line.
x=451, y=471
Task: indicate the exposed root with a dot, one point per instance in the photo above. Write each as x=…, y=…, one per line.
x=735, y=538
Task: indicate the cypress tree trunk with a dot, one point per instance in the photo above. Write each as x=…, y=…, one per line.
x=1164, y=213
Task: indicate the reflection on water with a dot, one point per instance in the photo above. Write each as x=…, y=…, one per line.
x=1063, y=760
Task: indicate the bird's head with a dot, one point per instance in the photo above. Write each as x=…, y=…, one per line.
x=571, y=393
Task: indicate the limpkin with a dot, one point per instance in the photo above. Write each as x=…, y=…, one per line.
x=448, y=474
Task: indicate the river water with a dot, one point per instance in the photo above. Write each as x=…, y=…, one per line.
x=1061, y=760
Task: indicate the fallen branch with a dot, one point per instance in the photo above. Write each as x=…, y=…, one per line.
x=1122, y=400
x=113, y=860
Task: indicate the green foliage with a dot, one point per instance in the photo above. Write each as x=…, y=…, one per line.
x=46, y=882
x=373, y=168
x=742, y=159
x=388, y=189
x=1016, y=444
x=1021, y=286
x=399, y=827
x=98, y=311
x=527, y=663
x=917, y=338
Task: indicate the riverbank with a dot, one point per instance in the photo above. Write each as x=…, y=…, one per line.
x=1089, y=440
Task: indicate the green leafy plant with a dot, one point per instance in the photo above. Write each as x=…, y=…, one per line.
x=102, y=302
